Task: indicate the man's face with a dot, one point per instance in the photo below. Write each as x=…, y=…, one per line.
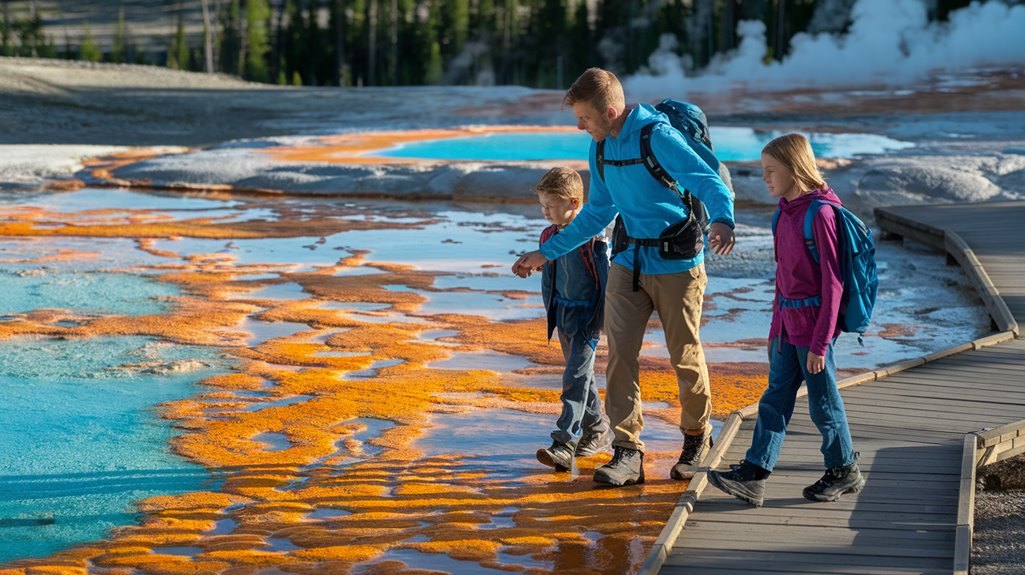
x=592, y=121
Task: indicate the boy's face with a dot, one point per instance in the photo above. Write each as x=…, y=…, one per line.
x=558, y=210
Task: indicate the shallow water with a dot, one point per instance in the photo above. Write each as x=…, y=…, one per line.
x=479, y=443
x=78, y=441
x=731, y=144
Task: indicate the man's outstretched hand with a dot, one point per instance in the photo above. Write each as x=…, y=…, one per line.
x=721, y=238
x=528, y=262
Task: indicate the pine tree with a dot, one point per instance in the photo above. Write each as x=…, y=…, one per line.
x=6, y=33
x=178, y=52
x=119, y=47
x=231, y=38
x=257, y=40
x=89, y=50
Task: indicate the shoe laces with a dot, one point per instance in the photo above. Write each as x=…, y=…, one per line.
x=692, y=445
x=620, y=454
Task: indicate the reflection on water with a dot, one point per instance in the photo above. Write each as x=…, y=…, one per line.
x=457, y=454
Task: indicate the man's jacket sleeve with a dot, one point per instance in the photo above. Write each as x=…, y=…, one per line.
x=691, y=172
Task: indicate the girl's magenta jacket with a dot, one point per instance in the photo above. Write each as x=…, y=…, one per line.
x=798, y=276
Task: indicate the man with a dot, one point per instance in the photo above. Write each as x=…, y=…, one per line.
x=673, y=287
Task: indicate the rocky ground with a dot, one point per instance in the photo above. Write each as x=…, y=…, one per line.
x=969, y=131
x=999, y=544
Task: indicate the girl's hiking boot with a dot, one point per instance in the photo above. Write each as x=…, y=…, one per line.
x=745, y=482
x=594, y=443
x=559, y=456
x=626, y=468
x=694, y=449
x=836, y=482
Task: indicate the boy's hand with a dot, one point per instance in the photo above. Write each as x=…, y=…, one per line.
x=721, y=238
x=529, y=262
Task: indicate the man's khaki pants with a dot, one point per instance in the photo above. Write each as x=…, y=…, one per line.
x=677, y=298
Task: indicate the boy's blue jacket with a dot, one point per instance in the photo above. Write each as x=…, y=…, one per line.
x=647, y=206
x=573, y=289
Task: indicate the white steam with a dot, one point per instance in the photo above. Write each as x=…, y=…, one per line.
x=889, y=42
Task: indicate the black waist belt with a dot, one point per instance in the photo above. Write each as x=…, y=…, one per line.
x=649, y=242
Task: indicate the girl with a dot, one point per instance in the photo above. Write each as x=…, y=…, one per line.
x=804, y=328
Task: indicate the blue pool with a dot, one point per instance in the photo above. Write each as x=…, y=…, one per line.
x=732, y=145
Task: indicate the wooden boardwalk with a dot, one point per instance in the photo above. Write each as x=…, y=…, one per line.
x=908, y=422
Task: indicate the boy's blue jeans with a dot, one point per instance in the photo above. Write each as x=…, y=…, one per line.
x=581, y=406
x=787, y=369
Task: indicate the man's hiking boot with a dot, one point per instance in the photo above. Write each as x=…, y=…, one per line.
x=559, y=456
x=626, y=468
x=594, y=443
x=745, y=482
x=836, y=482
x=694, y=449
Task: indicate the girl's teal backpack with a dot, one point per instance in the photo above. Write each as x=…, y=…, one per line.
x=857, y=264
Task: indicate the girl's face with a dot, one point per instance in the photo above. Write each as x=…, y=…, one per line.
x=779, y=179
x=558, y=210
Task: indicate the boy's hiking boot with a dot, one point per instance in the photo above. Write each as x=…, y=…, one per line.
x=745, y=482
x=626, y=468
x=559, y=456
x=694, y=449
x=594, y=443
x=836, y=482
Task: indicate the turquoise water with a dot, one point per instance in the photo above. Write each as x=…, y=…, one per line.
x=80, y=441
x=81, y=293
x=731, y=144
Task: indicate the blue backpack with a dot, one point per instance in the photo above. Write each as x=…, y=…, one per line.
x=691, y=122
x=857, y=264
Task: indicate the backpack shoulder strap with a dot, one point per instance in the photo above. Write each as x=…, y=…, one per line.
x=600, y=161
x=651, y=162
x=809, y=221
x=657, y=171
x=775, y=223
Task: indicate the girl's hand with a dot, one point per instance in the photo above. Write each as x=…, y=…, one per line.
x=816, y=363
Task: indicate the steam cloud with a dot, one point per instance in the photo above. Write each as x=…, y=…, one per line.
x=889, y=42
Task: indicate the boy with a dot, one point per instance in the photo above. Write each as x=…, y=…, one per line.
x=573, y=288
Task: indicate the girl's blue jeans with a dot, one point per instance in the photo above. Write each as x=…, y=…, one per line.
x=787, y=369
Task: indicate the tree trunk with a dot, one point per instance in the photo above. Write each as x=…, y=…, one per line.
x=781, y=27
x=372, y=42
x=394, y=56
x=340, y=42
x=208, y=39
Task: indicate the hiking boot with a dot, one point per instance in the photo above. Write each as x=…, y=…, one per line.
x=559, y=456
x=626, y=468
x=745, y=482
x=836, y=482
x=594, y=443
x=694, y=449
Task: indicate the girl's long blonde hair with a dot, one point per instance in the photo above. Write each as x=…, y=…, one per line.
x=794, y=151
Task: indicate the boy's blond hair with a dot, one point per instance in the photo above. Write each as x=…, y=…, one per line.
x=794, y=151
x=562, y=182
x=597, y=87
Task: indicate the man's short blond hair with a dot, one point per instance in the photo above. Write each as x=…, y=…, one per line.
x=597, y=87
x=561, y=182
